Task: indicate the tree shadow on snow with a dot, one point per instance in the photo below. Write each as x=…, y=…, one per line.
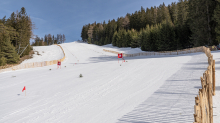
x=170, y=103
x=173, y=101
x=217, y=88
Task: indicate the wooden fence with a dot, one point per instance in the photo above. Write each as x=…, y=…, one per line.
x=35, y=64
x=203, y=108
x=176, y=52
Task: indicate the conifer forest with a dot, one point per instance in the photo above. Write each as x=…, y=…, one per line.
x=15, y=32
x=185, y=24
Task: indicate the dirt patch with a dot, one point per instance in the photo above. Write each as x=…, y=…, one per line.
x=27, y=56
x=38, y=53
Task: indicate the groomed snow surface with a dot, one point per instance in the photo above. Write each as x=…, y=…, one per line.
x=143, y=89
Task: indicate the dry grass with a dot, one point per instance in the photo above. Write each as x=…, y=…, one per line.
x=27, y=56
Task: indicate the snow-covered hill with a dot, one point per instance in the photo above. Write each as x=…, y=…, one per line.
x=142, y=89
x=45, y=53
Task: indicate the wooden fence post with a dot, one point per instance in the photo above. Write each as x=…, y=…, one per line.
x=202, y=106
x=213, y=76
x=210, y=102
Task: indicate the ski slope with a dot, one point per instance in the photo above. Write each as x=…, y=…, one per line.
x=143, y=89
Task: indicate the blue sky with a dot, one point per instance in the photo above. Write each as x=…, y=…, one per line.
x=68, y=16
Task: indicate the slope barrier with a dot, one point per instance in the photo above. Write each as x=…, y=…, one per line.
x=203, y=108
x=176, y=52
x=35, y=64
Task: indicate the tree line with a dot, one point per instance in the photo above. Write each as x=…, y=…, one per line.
x=15, y=35
x=15, y=32
x=49, y=40
x=185, y=24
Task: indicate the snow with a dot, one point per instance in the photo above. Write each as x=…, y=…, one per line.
x=126, y=50
x=46, y=53
x=216, y=98
x=143, y=89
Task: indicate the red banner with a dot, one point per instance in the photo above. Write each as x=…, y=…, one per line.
x=23, y=89
x=59, y=63
x=120, y=55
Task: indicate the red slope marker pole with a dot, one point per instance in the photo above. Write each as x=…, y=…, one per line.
x=24, y=89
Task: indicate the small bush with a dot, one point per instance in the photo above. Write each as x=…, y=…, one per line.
x=3, y=61
x=80, y=76
x=49, y=69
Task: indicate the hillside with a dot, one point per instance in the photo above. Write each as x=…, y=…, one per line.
x=142, y=89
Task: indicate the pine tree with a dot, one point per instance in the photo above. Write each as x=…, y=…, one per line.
x=145, y=41
x=89, y=40
x=3, y=20
x=153, y=15
x=49, y=39
x=201, y=23
x=90, y=31
x=217, y=20
x=11, y=22
x=83, y=33
x=37, y=41
x=53, y=39
x=173, y=11
x=7, y=50
x=42, y=41
x=115, y=39
x=95, y=34
x=3, y=61
x=61, y=39
x=24, y=28
x=125, y=23
x=64, y=38
x=123, y=38
x=148, y=17
x=45, y=40
x=128, y=38
x=119, y=23
x=135, y=39
x=113, y=30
